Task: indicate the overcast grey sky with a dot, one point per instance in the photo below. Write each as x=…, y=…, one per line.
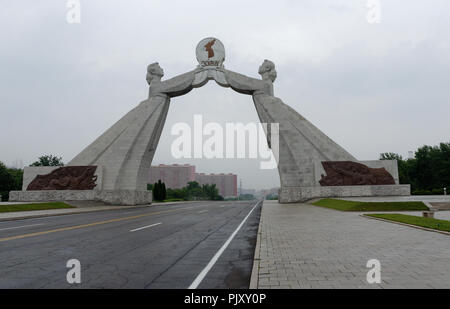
x=371, y=87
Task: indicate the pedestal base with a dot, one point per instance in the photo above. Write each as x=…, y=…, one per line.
x=112, y=197
x=302, y=194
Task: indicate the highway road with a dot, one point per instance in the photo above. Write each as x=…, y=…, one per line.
x=188, y=245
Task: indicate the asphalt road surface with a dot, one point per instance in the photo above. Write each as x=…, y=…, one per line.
x=164, y=246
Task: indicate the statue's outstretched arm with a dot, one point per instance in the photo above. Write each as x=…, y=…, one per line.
x=241, y=83
x=179, y=85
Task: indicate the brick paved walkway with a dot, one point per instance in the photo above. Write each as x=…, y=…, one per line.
x=303, y=246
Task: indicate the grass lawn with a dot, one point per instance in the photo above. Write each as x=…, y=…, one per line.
x=431, y=223
x=370, y=206
x=28, y=207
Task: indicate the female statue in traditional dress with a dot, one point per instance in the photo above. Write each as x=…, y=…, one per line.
x=300, y=142
x=126, y=150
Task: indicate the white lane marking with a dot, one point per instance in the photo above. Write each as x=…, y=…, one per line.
x=202, y=211
x=223, y=206
x=18, y=227
x=213, y=261
x=145, y=227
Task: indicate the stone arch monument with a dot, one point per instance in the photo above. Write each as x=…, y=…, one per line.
x=114, y=168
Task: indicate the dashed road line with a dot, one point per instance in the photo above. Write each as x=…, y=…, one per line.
x=145, y=227
x=87, y=225
x=18, y=227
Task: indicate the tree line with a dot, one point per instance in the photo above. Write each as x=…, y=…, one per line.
x=192, y=192
x=428, y=172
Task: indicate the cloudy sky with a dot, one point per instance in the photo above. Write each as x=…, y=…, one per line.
x=371, y=87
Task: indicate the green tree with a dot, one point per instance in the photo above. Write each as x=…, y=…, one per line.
x=192, y=185
x=6, y=182
x=163, y=191
x=177, y=194
x=193, y=191
x=432, y=167
x=390, y=156
x=403, y=166
x=48, y=160
x=159, y=191
x=156, y=191
x=247, y=197
x=211, y=192
x=428, y=172
x=10, y=180
x=17, y=175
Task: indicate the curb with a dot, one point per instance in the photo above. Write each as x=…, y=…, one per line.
x=410, y=225
x=257, y=257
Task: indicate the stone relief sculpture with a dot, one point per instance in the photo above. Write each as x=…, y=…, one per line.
x=347, y=173
x=66, y=178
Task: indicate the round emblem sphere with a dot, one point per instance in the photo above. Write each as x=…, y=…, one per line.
x=210, y=52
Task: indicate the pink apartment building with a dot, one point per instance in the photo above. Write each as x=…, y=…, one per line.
x=177, y=176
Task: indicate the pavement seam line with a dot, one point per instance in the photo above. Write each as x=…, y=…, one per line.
x=86, y=225
x=254, y=277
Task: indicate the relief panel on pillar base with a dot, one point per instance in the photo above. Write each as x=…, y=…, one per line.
x=355, y=173
x=73, y=183
x=66, y=178
x=46, y=178
x=348, y=173
x=348, y=179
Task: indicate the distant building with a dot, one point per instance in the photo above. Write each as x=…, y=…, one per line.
x=270, y=192
x=177, y=176
x=174, y=176
x=249, y=191
x=225, y=183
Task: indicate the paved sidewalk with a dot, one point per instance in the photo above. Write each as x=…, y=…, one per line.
x=304, y=246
